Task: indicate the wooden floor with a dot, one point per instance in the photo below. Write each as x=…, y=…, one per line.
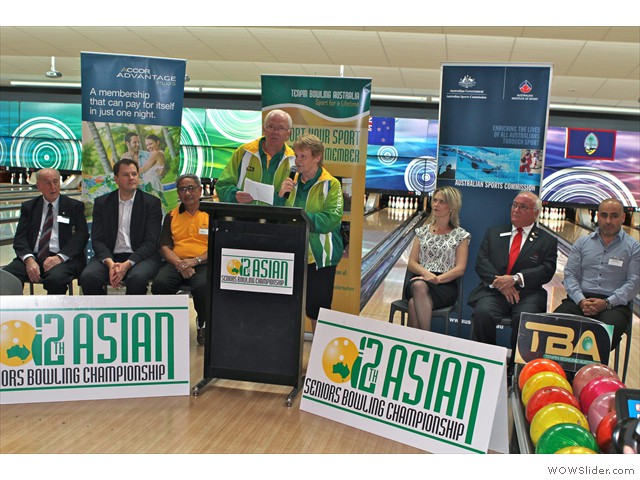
x=227, y=417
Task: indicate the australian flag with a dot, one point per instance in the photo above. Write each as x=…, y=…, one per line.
x=382, y=130
x=591, y=144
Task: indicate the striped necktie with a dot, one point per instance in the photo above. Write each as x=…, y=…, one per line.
x=43, y=243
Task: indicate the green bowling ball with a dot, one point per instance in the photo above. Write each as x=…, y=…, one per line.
x=565, y=435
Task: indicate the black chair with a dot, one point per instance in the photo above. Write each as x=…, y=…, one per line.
x=69, y=286
x=627, y=349
x=402, y=306
x=9, y=284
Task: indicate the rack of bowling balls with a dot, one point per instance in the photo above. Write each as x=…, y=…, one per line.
x=569, y=417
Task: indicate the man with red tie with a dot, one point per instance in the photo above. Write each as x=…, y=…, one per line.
x=513, y=263
x=50, y=238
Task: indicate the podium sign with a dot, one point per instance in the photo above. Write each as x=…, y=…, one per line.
x=257, y=267
x=571, y=340
x=438, y=393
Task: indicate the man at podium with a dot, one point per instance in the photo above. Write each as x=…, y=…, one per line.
x=319, y=194
x=267, y=160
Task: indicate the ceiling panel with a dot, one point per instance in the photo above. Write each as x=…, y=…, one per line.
x=592, y=65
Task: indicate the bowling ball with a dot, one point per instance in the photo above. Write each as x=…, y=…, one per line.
x=604, y=431
x=565, y=435
x=546, y=396
x=597, y=387
x=599, y=408
x=536, y=366
x=553, y=414
x=588, y=373
x=575, y=450
x=542, y=380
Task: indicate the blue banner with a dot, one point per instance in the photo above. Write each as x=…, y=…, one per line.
x=132, y=89
x=493, y=121
x=131, y=108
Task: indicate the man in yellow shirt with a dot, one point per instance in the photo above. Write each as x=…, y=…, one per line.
x=183, y=245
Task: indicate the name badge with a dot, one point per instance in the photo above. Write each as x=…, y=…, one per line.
x=62, y=219
x=505, y=234
x=204, y=231
x=615, y=262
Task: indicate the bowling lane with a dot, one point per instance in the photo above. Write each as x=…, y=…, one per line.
x=380, y=224
x=570, y=232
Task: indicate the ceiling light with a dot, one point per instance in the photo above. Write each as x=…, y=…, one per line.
x=53, y=73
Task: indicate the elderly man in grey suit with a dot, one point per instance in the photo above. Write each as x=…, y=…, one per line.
x=50, y=238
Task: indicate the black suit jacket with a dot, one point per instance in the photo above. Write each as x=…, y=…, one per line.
x=536, y=261
x=72, y=236
x=146, y=220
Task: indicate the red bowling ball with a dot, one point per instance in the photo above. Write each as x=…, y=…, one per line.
x=597, y=387
x=536, y=366
x=599, y=409
x=588, y=373
x=604, y=432
x=546, y=396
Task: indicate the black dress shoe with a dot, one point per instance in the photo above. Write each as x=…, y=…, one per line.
x=200, y=336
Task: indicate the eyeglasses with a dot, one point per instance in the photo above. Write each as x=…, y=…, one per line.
x=277, y=128
x=520, y=206
x=190, y=188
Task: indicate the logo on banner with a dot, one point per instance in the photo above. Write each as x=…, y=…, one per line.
x=257, y=271
x=467, y=82
x=145, y=73
x=591, y=143
x=571, y=340
x=526, y=87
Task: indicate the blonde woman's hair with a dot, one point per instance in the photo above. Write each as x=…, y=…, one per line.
x=453, y=197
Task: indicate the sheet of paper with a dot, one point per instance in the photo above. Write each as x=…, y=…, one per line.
x=259, y=191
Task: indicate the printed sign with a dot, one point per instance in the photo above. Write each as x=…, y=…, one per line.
x=571, y=340
x=257, y=271
x=62, y=348
x=438, y=393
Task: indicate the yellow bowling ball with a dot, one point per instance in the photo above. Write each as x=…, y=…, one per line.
x=553, y=414
x=574, y=449
x=543, y=380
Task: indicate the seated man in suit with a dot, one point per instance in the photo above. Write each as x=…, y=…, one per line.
x=124, y=234
x=513, y=263
x=50, y=238
x=184, y=244
x=602, y=274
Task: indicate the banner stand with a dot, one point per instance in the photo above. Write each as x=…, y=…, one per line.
x=257, y=275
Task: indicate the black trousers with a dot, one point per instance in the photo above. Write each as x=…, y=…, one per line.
x=54, y=281
x=168, y=282
x=619, y=316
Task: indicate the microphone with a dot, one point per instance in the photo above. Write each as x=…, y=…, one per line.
x=292, y=175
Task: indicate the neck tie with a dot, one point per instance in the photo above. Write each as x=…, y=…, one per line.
x=515, y=250
x=43, y=243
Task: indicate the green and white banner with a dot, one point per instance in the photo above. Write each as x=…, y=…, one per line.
x=337, y=111
x=63, y=348
x=435, y=392
x=257, y=271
